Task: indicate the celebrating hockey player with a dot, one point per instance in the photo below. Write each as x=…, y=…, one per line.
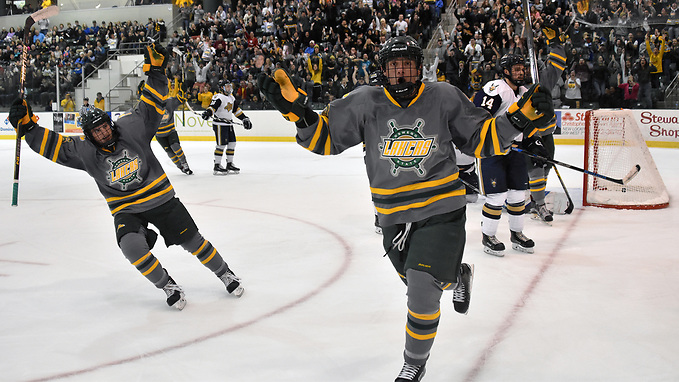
x=408, y=128
x=167, y=135
x=505, y=177
x=222, y=109
x=118, y=156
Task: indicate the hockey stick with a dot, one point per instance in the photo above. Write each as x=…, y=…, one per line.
x=30, y=20
x=528, y=26
x=570, y=207
x=631, y=174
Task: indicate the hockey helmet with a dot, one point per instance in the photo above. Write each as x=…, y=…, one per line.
x=507, y=62
x=401, y=47
x=94, y=118
x=225, y=87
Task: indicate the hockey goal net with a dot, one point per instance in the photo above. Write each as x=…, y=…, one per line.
x=614, y=146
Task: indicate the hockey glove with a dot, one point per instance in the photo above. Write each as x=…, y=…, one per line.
x=247, y=124
x=155, y=58
x=207, y=114
x=534, y=145
x=532, y=112
x=552, y=33
x=21, y=116
x=284, y=95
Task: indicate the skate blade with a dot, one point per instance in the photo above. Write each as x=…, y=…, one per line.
x=219, y=173
x=238, y=291
x=538, y=218
x=180, y=304
x=519, y=248
x=494, y=252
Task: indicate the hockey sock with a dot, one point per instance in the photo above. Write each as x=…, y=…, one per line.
x=206, y=254
x=219, y=152
x=424, y=297
x=491, y=213
x=136, y=249
x=515, y=208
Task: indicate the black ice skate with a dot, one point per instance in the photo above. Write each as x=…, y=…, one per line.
x=493, y=246
x=378, y=228
x=232, y=283
x=543, y=213
x=186, y=170
x=219, y=170
x=462, y=294
x=521, y=243
x=232, y=168
x=410, y=373
x=175, y=294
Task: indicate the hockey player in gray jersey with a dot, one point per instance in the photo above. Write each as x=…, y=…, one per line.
x=505, y=178
x=408, y=128
x=222, y=109
x=118, y=156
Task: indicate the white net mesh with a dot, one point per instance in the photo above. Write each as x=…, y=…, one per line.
x=614, y=146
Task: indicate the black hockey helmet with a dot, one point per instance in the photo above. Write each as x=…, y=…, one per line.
x=95, y=117
x=507, y=62
x=225, y=87
x=401, y=47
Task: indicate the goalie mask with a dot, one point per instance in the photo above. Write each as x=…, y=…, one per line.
x=99, y=129
x=400, y=60
x=510, y=70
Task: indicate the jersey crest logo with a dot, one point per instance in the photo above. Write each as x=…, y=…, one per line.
x=492, y=87
x=406, y=147
x=124, y=170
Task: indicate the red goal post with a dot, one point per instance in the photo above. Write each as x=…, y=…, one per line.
x=614, y=145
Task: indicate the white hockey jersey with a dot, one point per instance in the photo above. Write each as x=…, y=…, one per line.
x=224, y=108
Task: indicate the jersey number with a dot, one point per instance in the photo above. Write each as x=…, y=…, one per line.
x=487, y=102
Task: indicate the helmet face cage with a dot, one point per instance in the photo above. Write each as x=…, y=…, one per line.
x=226, y=87
x=507, y=62
x=404, y=47
x=93, y=118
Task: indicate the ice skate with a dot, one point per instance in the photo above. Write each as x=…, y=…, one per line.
x=493, y=246
x=462, y=294
x=175, y=294
x=378, y=228
x=232, y=168
x=232, y=283
x=219, y=170
x=186, y=170
x=410, y=373
x=543, y=213
x=521, y=243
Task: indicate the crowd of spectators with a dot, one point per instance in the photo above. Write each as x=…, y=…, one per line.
x=619, y=53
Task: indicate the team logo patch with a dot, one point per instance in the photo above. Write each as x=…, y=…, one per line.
x=124, y=170
x=406, y=147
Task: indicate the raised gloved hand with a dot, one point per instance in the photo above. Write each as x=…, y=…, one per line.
x=552, y=33
x=283, y=94
x=21, y=116
x=207, y=114
x=534, y=145
x=247, y=124
x=155, y=58
x=533, y=111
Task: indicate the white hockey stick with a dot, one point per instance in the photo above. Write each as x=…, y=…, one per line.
x=30, y=20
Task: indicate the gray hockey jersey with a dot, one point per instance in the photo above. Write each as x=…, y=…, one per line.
x=410, y=159
x=130, y=177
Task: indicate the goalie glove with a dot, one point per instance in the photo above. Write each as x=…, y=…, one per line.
x=533, y=111
x=155, y=58
x=552, y=34
x=284, y=95
x=247, y=124
x=21, y=116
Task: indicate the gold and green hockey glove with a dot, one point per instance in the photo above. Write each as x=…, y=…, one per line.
x=533, y=111
x=21, y=116
x=155, y=58
x=284, y=95
x=552, y=33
